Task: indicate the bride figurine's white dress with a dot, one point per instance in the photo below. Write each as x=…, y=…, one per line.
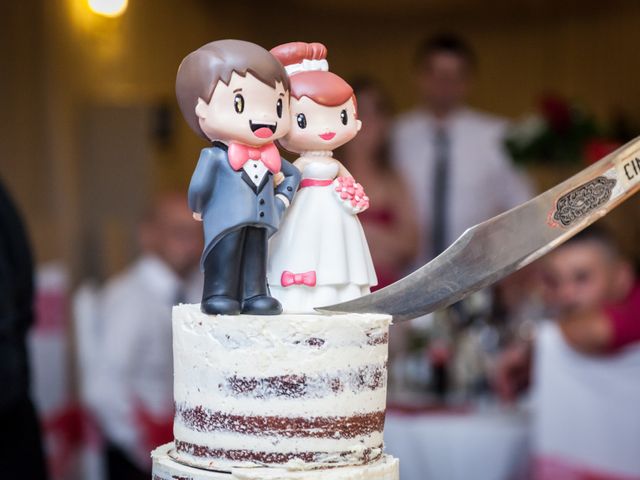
x=320, y=255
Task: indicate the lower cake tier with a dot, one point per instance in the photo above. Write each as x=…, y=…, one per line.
x=166, y=468
x=293, y=391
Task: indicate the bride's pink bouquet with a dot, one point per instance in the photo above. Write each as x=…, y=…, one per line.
x=351, y=193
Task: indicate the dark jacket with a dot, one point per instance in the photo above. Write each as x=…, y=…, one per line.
x=16, y=303
x=227, y=199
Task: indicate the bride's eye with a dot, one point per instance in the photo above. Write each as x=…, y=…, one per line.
x=343, y=117
x=302, y=120
x=279, y=108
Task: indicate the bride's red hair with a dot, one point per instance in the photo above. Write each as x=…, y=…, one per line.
x=325, y=88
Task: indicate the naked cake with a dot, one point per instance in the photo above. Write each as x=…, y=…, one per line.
x=261, y=394
x=286, y=396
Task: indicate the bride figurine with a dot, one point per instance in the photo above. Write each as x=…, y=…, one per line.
x=320, y=255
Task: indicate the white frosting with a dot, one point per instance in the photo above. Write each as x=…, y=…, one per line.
x=268, y=362
x=232, y=441
x=165, y=468
x=328, y=461
x=351, y=404
x=338, y=360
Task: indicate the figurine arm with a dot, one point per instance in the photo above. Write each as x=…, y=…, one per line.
x=288, y=187
x=300, y=163
x=201, y=186
x=342, y=170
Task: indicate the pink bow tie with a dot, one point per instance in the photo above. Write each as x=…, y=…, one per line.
x=307, y=278
x=268, y=154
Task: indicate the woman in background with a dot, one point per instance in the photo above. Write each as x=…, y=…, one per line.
x=389, y=224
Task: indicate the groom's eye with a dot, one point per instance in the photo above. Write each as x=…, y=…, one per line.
x=279, y=108
x=302, y=120
x=238, y=103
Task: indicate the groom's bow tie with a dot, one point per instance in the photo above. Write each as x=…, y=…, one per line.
x=268, y=154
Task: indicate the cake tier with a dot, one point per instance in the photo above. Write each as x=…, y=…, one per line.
x=165, y=468
x=297, y=391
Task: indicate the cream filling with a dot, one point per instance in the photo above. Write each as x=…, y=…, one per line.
x=346, y=404
x=275, y=444
x=328, y=464
x=199, y=358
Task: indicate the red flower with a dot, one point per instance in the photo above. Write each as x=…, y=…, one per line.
x=598, y=148
x=557, y=112
x=154, y=430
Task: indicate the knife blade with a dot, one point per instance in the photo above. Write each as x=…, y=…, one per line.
x=493, y=249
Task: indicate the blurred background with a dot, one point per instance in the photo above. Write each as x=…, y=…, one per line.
x=95, y=155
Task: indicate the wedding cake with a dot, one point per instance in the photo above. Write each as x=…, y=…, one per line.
x=286, y=396
x=261, y=394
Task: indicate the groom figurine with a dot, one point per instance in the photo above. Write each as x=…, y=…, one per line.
x=236, y=95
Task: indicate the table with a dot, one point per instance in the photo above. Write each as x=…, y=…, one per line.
x=460, y=445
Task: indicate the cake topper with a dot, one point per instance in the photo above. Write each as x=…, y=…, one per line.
x=236, y=95
x=320, y=255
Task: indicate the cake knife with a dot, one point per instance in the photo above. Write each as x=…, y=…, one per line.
x=507, y=242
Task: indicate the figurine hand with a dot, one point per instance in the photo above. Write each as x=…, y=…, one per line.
x=197, y=216
x=278, y=178
x=352, y=194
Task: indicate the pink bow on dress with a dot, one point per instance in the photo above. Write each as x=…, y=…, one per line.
x=307, y=278
x=268, y=154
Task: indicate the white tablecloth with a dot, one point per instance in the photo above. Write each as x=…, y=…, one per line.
x=479, y=446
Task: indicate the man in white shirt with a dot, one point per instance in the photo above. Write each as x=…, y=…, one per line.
x=136, y=408
x=584, y=365
x=452, y=156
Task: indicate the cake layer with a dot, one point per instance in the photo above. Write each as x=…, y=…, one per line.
x=293, y=390
x=166, y=468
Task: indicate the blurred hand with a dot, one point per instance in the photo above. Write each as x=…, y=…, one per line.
x=197, y=216
x=512, y=372
x=587, y=331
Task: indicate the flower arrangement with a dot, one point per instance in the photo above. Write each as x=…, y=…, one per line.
x=559, y=132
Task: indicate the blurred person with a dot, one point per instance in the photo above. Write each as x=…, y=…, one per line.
x=136, y=408
x=452, y=157
x=21, y=454
x=593, y=291
x=586, y=365
x=453, y=160
x=389, y=224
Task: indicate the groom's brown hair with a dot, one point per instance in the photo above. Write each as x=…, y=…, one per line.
x=201, y=70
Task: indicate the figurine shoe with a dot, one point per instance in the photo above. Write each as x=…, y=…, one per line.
x=220, y=305
x=261, y=305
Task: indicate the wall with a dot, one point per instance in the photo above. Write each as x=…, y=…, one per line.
x=61, y=59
